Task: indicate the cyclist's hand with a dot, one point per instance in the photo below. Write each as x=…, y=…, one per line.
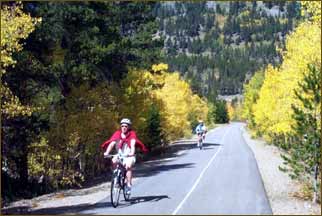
x=106, y=154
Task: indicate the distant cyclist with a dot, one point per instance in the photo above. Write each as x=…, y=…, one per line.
x=201, y=131
x=126, y=141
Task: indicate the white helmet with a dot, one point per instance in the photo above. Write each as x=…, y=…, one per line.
x=126, y=121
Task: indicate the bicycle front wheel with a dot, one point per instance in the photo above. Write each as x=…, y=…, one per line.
x=115, y=190
x=125, y=194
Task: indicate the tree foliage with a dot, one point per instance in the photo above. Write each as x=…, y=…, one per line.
x=312, y=9
x=177, y=104
x=305, y=154
x=15, y=27
x=273, y=113
x=221, y=112
x=72, y=65
x=251, y=91
x=288, y=109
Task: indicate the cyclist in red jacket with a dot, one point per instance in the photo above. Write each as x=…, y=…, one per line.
x=125, y=141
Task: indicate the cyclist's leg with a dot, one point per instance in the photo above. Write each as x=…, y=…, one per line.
x=129, y=162
x=115, y=159
x=199, y=138
x=114, y=162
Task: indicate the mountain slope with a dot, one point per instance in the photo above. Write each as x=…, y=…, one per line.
x=219, y=45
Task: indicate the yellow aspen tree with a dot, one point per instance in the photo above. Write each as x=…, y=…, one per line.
x=15, y=26
x=303, y=47
x=251, y=91
x=313, y=8
x=170, y=93
x=199, y=108
x=231, y=111
x=273, y=112
x=265, y=107
x=178, y=102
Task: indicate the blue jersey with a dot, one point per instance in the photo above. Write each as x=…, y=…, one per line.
x=200, y=128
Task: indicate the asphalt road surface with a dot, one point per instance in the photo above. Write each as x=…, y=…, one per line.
x=223, y=178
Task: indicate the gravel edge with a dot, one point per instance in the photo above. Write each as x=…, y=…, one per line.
x=279, y=186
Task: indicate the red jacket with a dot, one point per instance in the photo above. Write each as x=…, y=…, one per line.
x=117, y=137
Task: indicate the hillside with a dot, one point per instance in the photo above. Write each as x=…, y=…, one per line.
x=218, y=46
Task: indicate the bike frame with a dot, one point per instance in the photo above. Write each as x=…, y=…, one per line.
x=118, y=180
x=200, y=140
x=120, y=169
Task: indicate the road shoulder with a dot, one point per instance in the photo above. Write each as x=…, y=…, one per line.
x=279, y=186
x=62, y=200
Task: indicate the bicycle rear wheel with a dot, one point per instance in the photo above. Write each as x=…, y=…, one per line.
x=200, y=142
x=115, y=190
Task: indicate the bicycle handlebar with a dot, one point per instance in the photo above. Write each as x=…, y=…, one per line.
x=119, y=155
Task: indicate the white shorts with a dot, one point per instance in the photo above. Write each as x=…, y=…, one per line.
x=126, y=161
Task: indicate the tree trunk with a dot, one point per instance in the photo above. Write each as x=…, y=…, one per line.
x=315, y=187
x=22, y=164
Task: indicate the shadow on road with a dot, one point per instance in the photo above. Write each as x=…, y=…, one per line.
x=61, y=210
x=192, y=145
x=158, y=167
x=82, y=207
x=161, y=163
x=141, y=199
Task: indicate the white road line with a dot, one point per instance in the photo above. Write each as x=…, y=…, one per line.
x=200, y=176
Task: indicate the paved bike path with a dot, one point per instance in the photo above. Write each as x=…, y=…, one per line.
x=233, y=184
x=220, y=179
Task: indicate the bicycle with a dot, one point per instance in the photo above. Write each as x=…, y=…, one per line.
x=118, y=180
x=200, y=140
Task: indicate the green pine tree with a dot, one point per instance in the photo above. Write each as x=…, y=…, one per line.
x=154, y=128
x=221, y=113
x=305, y=153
